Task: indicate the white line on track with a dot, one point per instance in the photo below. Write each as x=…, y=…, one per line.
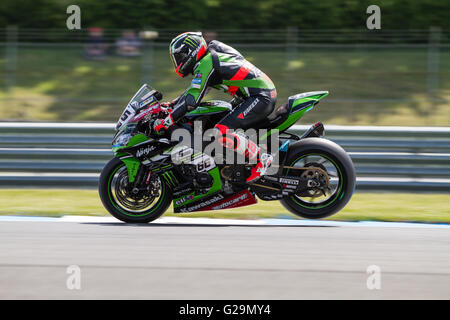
x=210, y=221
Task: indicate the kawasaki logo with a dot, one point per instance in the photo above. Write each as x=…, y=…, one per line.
x=203, y=204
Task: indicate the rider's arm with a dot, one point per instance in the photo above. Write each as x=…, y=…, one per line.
x=203, y=76
x=176, y=100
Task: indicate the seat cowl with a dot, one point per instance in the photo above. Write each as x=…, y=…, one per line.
x=311, y=94
x=302, y=101
x=305, y=99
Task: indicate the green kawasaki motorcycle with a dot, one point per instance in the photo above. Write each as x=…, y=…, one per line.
x=313, y=177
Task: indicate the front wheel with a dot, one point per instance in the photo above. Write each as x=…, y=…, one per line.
x=336, y=172
x=119, y=199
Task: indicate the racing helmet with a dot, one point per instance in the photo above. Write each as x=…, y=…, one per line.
x=186, y=50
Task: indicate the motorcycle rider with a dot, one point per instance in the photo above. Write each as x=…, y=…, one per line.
x=217, y=65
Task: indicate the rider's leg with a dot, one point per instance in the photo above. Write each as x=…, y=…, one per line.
x=245, y=116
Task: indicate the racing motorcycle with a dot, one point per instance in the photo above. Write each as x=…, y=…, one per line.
x=313, y=177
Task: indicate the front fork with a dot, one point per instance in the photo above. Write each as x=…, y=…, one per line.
x=139, y=178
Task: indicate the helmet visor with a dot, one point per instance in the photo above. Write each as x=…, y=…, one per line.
x=172, y=57
x=177, y=57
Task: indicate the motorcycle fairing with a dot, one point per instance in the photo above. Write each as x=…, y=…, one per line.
x=190, y=198
x=287, y=115
x=219, y=201
x=209, y=108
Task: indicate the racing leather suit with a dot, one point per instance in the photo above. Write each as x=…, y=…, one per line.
x=225, y=68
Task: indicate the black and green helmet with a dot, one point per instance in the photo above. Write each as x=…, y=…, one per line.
x=186, y=50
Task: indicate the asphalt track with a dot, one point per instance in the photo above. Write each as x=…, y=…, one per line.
x=204, y=259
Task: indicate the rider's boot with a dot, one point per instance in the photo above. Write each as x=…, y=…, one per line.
x=264, y=162
x=247, y=148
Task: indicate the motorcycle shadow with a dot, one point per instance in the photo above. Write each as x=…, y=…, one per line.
x=206, y=225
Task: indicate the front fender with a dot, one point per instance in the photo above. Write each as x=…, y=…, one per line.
x=132, y=165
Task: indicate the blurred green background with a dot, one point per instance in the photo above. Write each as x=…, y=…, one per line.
x=227, y=14
x=398, y=75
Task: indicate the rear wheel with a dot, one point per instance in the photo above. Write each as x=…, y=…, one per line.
x=126, y=204
x=332, y=170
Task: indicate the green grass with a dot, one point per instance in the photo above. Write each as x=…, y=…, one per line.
x=363, y=206
x=57, y=83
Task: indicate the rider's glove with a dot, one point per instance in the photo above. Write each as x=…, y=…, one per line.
x=167, y=105
x=160, y=126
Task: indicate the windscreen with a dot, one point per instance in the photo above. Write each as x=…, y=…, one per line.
x=143, y=97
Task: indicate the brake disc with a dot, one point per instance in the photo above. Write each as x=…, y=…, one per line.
x=132, y=198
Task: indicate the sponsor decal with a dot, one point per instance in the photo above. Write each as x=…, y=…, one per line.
x=182, y=191
x=191, y=42
x=250, y=107
x=229, y=203
x=144, y=151
x=289, y=181
x=243, y=198
x=197, y=81
x=202, y=204
x=218, y=202
x=146, y=102
x=184, y=199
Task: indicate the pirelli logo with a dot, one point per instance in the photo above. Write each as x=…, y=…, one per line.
x=289, y=181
